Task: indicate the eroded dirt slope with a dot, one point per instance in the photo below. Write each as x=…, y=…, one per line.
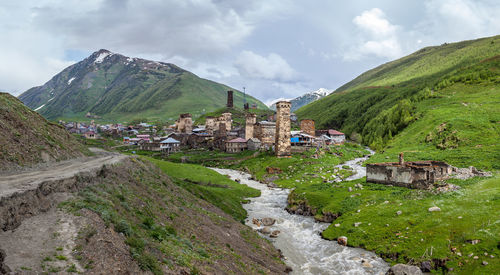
x=28, y=138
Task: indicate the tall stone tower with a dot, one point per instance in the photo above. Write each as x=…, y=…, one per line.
x=185, y=124
x=229, y=99
x=250, y=120
x=282, y=145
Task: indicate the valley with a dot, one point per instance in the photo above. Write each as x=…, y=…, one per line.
x=151, y=169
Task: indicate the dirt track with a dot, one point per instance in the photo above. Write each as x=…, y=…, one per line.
x=32, y=179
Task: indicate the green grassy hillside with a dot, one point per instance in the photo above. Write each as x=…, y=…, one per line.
x=447, y=110
x=28, y=138
x=118, y=88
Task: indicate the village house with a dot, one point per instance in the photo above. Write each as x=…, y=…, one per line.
x=299, y=138
x=236, y=145
x=415, y=174
x=253, y=144
x=335, y=136
x=90, y=135
x=170, y=145
x=149, y=146
x=265, y=131
x=145, y=137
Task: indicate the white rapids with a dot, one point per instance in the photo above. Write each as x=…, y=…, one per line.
x=300, y=241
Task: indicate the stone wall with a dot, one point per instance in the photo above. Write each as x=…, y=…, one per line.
x=265, y=131
x=307, y=126
x=282, y=143
x=250, y=120
x=416, y=175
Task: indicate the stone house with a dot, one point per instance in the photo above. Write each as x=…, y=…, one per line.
x=184, y=124
x=307, y=126
x=236, y=145
x=265, y=131
x=415, y=174
x=149, y=146
x=253, y=144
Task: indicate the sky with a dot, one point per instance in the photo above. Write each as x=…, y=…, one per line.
x=275, y=49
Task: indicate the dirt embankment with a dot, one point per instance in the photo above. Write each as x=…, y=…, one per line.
x=29, y=139
x=129, y=218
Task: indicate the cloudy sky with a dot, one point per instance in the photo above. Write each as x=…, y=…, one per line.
x=275, y=49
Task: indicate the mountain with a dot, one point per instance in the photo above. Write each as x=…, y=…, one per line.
x=116, y=87
x=28, y=138
x=309, y=97
x=438, y=103
x=302, y=100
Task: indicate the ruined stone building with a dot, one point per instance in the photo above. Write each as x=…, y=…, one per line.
x=415, y=174
x=184, y=124
x=229, y=99
x=250, y=121
x=283, y=127
x=265, y=131
x=307, y=126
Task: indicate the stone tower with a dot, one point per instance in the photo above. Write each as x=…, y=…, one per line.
x=229, y=99
x=282, y=145
x=307, y=126
x=185, y=124
x=250, y=120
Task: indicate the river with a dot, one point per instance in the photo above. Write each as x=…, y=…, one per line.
x=300, y=241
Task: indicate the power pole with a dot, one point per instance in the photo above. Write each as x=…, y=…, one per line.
x=244, y=97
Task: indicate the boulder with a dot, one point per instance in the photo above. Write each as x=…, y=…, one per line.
x=426, y=266
x=268, y=221
x=403, y=269
x=275, y=233
x=273, y=170
x=342, y=240
x=266, y=230
x=434, y=209
x=256, y=222
x=272, y=185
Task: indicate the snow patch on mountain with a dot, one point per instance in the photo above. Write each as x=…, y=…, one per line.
x=39, y=107
x=71, y=80
x=100, y=58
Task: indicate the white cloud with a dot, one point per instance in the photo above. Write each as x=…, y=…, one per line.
x=454, y=20
x=378, y=37
x=374, y=22
x=272, y=67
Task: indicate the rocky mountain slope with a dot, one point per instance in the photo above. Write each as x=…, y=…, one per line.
x=116, y=87
x=28, y=138
x=309, y=97
x=437, y=103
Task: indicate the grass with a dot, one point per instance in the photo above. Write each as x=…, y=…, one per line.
x=209, y=185
x=470, y=115
x=418, y=235
x=414, y=236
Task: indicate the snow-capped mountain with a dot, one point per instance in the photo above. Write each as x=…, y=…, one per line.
x=303, y=99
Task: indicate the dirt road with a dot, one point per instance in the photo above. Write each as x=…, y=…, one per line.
x=30, y=180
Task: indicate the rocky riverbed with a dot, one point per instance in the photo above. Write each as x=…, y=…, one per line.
x=298, y=237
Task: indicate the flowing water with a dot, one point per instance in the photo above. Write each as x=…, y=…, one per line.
x=300, y=241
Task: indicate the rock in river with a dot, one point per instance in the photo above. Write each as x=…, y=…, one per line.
x=342, y=240
x=268, y=221
x=275, y=233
